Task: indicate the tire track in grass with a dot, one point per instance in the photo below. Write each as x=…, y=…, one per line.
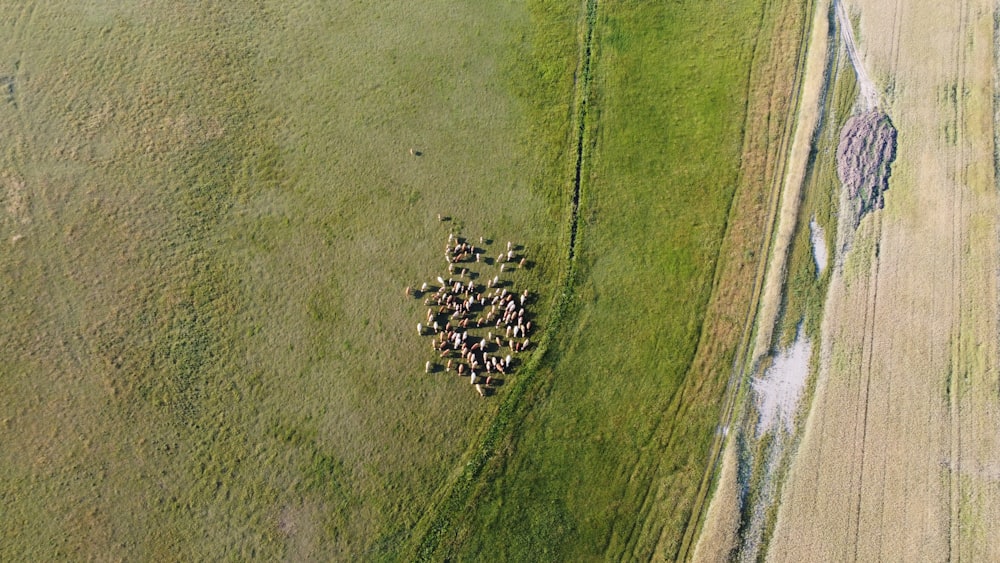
x=865, y=373
x=897, y=25
x=897, y=22
x=996, y=112
x=958, y=180
x=42, y=216
x=454, y=494
x=22, y=22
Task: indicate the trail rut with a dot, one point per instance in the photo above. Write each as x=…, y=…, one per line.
x=868, y=91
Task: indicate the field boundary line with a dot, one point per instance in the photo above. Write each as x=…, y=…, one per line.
x=454, y=493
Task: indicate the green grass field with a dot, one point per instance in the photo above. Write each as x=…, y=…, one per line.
x=210, y=211
x=207, y=351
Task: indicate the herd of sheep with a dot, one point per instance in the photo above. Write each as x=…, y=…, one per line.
x=476, y=327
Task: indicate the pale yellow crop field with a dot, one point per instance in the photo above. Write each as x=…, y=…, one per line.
x=900, y=456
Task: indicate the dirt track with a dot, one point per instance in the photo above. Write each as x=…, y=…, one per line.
x=868, y=91
x=900, y=457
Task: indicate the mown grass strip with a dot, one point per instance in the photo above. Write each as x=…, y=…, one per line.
x=764, y=461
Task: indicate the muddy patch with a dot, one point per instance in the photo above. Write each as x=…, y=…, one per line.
x=777, y=393
x=864, y=160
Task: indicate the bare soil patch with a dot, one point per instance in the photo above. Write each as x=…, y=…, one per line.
x=864, y=159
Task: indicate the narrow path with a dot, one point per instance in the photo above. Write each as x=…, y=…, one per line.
x=868, y=91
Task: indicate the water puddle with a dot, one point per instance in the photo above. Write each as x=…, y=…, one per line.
x=818, y=237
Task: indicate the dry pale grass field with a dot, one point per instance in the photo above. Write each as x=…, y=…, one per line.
x=900, y=457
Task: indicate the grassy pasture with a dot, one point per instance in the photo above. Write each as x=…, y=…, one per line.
x=206, y=349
